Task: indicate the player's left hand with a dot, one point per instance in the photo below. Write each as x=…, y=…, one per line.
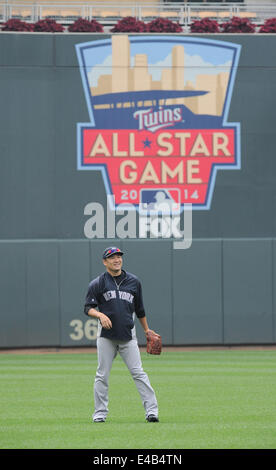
x=154, y=342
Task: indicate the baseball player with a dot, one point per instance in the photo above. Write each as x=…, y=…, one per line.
x=114, y=297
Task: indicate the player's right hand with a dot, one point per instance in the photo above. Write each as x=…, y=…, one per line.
x=105, y=321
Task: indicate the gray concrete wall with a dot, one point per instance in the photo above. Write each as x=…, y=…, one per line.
x=217, y=292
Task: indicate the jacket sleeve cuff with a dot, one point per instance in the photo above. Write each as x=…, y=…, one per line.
x=87, y=308
x=140, y=314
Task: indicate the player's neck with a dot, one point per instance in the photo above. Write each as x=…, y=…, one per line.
x=114, y=273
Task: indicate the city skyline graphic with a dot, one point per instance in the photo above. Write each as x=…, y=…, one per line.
x=201, y=92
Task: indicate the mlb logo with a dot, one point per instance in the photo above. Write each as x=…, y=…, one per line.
x=160, y=200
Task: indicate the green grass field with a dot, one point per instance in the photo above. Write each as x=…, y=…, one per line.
x=213, y=399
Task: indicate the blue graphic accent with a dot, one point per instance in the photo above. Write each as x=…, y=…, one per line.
x=147, y=143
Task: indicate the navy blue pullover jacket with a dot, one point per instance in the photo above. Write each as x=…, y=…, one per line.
x=118, y=302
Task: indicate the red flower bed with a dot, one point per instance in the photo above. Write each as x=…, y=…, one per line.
x=162, y=25
x=82, y=25
x=17, y=25
x=238, y=25
x=269, y=26
x=129, y=25
x=48, y=26
x=205, y=26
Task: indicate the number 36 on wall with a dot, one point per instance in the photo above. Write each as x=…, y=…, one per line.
x=87, y=329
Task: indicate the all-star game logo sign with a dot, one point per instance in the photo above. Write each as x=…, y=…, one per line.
x=158, y=110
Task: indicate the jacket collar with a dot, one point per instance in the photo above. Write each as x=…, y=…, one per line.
x=111, y=277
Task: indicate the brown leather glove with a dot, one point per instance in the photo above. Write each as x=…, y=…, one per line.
x=154, y=342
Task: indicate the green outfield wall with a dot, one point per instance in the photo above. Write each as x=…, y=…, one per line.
x=219, y=291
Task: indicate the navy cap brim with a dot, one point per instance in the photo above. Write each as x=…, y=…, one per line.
x=112, y=251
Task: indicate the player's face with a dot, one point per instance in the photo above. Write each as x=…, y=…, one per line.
x=114, y=264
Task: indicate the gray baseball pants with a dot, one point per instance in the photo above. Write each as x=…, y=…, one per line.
x=107, y=350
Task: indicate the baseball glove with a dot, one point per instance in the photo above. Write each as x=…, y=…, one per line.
x=154, y=342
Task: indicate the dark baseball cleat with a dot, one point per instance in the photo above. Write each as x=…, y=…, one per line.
x=152, y=419
x=99, y=420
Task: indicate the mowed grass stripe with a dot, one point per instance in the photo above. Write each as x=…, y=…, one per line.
x=207, y=399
